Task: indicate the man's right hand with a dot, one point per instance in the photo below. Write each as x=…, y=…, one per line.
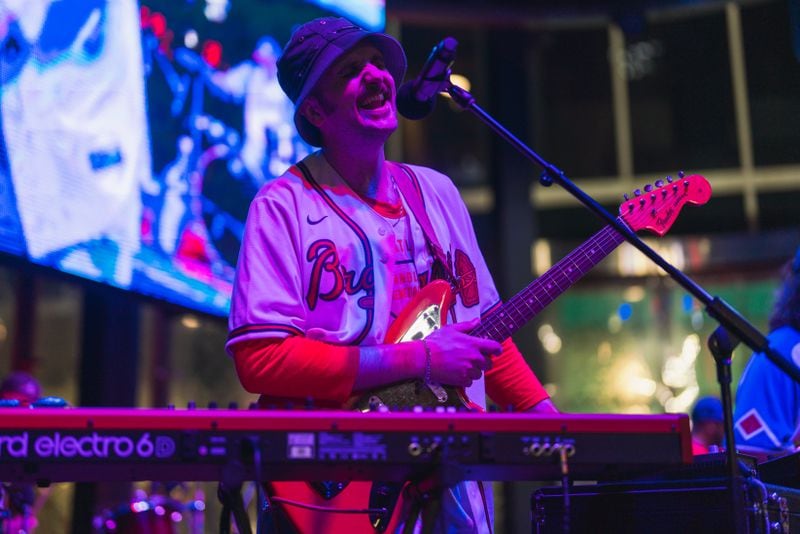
x=457, y=358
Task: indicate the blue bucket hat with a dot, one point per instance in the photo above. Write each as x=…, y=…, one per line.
x=314, y=47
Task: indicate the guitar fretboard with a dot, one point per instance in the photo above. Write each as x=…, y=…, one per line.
x=523, y=306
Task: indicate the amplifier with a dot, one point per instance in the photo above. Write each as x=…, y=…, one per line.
x=783, y=471
x=668, y=507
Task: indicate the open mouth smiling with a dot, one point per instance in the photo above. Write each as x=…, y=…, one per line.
x=374, y=100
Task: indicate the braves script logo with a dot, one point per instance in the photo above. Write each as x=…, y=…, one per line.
x=326, y=266
x=467, y=281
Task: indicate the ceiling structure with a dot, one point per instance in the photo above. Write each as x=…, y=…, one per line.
x=752, y=190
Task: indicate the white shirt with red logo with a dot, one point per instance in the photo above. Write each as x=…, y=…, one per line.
x=317, y=261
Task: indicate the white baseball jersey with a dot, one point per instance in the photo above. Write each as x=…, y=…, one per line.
x=316, y=261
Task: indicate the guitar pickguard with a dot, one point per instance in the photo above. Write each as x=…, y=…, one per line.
x=428, y=320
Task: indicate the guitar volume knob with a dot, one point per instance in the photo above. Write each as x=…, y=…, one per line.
x=414, y=449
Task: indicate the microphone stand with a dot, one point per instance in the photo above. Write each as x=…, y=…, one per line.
x=721, y=344
x=733, y=322
x=717, y=308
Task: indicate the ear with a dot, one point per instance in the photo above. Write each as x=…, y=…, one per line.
x=312, y=111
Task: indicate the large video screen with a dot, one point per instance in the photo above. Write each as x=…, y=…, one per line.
x=134, y=134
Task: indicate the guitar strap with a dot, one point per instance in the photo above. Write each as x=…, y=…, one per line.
x=407, y=184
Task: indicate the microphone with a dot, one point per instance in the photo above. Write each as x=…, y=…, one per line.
x=416, y=98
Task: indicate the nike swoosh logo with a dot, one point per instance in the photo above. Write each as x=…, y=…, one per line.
x=309, y=221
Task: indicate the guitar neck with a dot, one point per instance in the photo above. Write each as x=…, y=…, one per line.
x=522, y=307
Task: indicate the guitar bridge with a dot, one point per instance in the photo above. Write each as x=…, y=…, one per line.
x=439, y=392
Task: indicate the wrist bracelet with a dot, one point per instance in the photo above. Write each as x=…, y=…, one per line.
x=427, y=377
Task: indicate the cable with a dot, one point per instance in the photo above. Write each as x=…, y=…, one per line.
x=328, y=509
x=562, y=450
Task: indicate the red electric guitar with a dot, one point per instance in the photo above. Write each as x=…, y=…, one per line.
x=655, y=209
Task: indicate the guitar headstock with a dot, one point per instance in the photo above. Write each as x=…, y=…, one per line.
x=656, y=206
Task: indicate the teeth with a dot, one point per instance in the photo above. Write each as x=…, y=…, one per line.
x=379, y=98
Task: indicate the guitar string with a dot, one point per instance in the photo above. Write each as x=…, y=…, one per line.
x=520, y=303
x=579, y=260
x=576, y=257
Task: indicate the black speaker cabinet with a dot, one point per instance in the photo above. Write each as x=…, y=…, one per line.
x=667, y=506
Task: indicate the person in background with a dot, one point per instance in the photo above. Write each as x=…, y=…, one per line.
x=708, y=429
x=333, y=254
x=74, y=127
x=21, y=387
x=767, y=412
x=268, y=135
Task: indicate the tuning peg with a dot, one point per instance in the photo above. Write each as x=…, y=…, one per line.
x=213, y=405
x=191, y=405
x=637, y=192
x=233, y=405
x=669, y=179
x=659, y=183
x=681, y=174
x=648, y=188
x=625, y=196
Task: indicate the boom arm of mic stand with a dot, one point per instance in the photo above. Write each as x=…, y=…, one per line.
x=715, y=307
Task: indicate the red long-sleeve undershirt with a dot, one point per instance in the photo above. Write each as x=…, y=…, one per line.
x=297, y=368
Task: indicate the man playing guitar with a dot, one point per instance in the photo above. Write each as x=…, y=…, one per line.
x=333, y=254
